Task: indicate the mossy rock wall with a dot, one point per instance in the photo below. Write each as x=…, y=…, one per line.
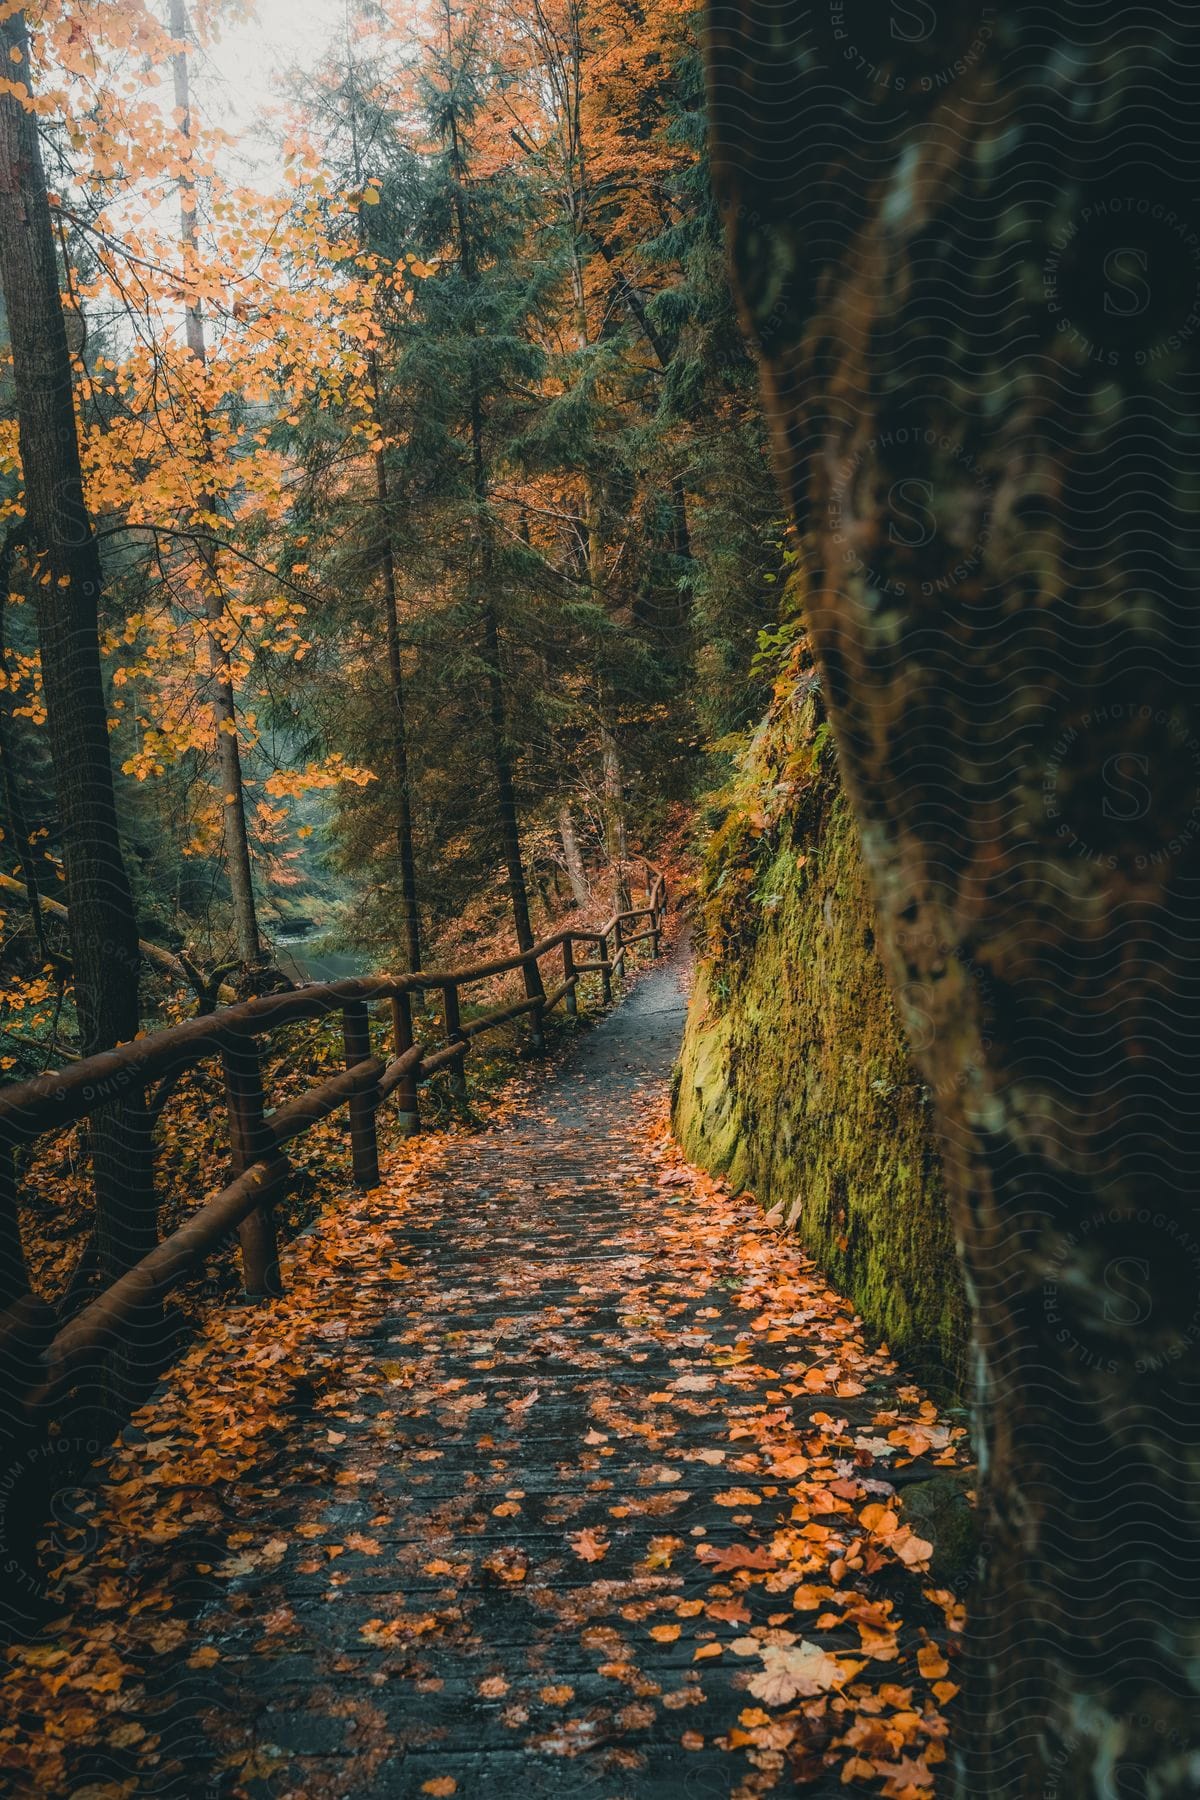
x=794, y=1079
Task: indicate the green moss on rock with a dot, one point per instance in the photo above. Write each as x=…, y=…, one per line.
x=794, y=1078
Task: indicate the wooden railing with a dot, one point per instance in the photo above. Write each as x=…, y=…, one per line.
x=39, y=1355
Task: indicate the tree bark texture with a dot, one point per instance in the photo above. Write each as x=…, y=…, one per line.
x=498, y=737
x=615, y=839
x=966, y=250
x=572, y=856
x=410, y=922
x=67, y=581
x=506, y=797
x=410, y=917
x=223, y=704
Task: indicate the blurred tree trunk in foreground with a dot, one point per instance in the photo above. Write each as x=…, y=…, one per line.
x=975, y=291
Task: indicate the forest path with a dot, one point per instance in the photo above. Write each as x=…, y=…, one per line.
x=587, y=1427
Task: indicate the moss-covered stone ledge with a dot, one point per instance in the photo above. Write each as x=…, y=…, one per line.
x=794, y=1080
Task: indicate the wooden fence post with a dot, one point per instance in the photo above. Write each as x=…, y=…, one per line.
x=364, y=1146
x=409, y=1109
x=535, y=991
x=606, y=972
x=618, y=958
x=570, y=999
x=655, y=919
x=249, y=1140
x=453, y=1023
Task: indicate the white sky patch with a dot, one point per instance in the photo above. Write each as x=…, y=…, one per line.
x=238, y=82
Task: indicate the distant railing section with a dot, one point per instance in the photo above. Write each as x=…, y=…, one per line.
x=48, y=1354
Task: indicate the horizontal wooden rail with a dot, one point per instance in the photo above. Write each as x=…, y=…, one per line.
x=501, y=1016
x=295, y=1116
x=441, y=1059
x=259, y=1173
x=52, y=1101
x=135, y=1296
x=406, y=1066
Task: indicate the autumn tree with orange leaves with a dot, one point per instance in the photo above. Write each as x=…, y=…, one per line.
x=318, y=507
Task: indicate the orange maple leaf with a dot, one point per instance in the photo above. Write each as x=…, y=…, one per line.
x=588, y=1545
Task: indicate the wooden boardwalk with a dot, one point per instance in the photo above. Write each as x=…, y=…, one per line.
x=571, y=1503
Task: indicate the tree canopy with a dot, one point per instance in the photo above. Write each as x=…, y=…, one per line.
x=424, y=472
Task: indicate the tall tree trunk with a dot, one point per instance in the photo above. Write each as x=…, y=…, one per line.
x=223, y=704
x=67, y=581
x=611, y=781
x=410, y=918
x=566, y=51
x=678, y=627
x=506, y=799
x=229, y=763
x=506, y=795
x=576, y=874
x=976, y=305
x=612, y=784
x=614, y=816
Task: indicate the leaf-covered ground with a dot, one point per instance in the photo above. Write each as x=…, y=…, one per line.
x=559, y=1470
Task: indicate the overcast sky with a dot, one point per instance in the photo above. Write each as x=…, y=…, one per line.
x=236, y=82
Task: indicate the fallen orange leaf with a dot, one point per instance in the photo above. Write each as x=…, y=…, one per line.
x=588, y=1545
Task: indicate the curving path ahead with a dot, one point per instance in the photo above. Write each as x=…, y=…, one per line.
x=590, y=1495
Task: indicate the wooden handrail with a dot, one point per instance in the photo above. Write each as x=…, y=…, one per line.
x=259, y=1172
x=130, y=1298
x=61, y=1097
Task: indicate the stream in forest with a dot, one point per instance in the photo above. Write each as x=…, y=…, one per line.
x=299, y=954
